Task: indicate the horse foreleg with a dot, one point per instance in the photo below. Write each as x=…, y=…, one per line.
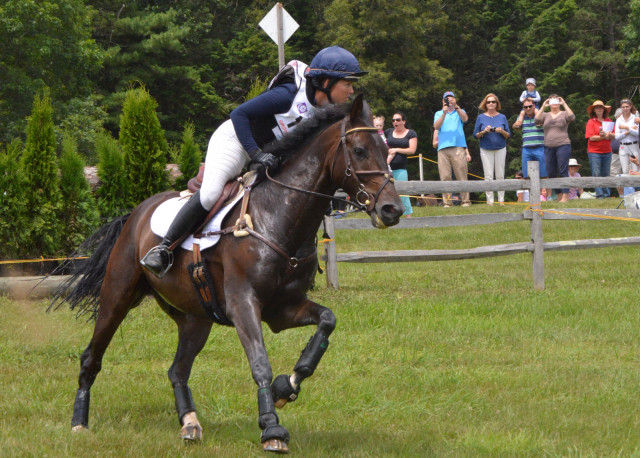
x=274, y=437
x=285, y=388
x=193, y=333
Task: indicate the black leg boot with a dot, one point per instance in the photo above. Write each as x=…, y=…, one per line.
x=159, y=258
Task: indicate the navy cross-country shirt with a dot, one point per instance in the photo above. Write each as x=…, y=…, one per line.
x=269, y=103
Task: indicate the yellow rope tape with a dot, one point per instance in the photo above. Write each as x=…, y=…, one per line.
x=41, y=259
x=435, y=162
x=620, y=218
x=328, y=240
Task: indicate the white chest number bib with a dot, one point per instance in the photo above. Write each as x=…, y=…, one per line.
x=301, y=106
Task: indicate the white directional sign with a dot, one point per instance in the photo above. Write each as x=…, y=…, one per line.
x=270, y=24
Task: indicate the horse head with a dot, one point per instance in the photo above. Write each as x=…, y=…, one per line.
x=360, y=168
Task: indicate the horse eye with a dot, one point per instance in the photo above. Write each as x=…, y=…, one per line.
x=360, y=152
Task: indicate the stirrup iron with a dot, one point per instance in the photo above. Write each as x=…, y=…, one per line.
x=159, y=249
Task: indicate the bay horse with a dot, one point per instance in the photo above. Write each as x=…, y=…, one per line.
x=264, y=277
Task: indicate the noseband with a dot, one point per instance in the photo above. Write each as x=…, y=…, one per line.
x=364, y=200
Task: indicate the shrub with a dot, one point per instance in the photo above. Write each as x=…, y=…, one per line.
x=12, y=205
x=144, y=146
x=42, y=185
x=190, y=157
x=79, y=213
x=113, y=191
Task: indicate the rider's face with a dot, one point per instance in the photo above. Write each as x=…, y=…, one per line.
x=341, y=91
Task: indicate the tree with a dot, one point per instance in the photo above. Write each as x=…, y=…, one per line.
x=43, y=44
x=79, y=214
x=42, y=186
x=190, y=157
x=12, y=205
x=114, y=185
x=393, y=42
x=144, y=146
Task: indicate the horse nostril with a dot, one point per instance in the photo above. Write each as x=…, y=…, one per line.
x=390, y=209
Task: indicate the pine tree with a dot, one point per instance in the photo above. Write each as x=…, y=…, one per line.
x=145, y=148
x=12, y=205
x=79, y=213
x=113, y=190
x=190, y=157
x=42, y=185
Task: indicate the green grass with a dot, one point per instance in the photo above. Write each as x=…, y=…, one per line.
x=452, y=358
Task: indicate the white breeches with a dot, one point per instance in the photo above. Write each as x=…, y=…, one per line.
x=624, y=153
x=493, y=160
x=225, y=160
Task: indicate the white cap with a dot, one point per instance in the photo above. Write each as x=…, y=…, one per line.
x=530, y=81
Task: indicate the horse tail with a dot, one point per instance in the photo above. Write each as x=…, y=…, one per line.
x=82, y=290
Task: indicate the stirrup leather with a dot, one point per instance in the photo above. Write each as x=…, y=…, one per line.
x=159, y=249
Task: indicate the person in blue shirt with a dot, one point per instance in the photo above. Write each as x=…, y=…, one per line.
x=294, y=94
x=492, y=129
x=451, y=144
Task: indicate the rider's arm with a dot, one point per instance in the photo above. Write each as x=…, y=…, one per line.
x=274, y=101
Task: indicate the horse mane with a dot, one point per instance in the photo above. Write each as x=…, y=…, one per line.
x=307, y=129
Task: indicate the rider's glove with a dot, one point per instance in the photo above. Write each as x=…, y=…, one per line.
x=268, y=160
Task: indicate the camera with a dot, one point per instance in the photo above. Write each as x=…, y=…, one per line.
x=446, y=101
x=492, y=129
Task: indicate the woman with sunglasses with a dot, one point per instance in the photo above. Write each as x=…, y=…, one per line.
x=557, y=145
x=626, y=132
x=492, y=129
x=402, y=142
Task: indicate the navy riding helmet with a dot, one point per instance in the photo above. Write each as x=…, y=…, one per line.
x=333, y=63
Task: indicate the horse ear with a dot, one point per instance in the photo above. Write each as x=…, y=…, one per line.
x=356, y=108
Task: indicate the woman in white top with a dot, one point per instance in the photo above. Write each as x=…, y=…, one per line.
x=627, y=134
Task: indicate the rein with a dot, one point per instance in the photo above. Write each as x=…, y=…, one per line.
x=369, y=200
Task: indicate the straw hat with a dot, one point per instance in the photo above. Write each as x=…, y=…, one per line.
x=599, y=103
x=574, y=163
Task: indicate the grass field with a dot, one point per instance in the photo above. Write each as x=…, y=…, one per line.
x=454, y=358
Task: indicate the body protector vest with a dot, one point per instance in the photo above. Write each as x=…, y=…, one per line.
x=267, y=129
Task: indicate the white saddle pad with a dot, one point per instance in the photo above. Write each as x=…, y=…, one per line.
x=166, y=212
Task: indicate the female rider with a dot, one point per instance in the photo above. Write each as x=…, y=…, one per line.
x=294, y=94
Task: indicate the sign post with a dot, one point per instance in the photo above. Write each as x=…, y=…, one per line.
x=279, y=25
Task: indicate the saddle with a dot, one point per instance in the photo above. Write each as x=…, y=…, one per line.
x=230, y=189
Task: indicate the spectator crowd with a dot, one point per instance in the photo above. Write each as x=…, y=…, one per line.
x=612, y=144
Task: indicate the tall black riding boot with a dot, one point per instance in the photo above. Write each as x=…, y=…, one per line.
x=159, y=259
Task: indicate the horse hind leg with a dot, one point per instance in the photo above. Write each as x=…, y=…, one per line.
x=193, y=333
x=286, y=388
x=115, y=302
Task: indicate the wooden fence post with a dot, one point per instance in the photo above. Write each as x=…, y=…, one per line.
x=330, y=251
x=533, y=168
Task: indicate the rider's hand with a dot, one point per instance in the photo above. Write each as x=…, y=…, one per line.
x=266, y=159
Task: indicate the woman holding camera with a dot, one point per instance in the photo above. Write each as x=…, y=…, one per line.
x=492, y=129
x=557, y=145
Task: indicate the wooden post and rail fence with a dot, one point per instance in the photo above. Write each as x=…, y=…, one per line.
x=537, y=246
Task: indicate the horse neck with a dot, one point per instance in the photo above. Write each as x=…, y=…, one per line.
x=291, y=216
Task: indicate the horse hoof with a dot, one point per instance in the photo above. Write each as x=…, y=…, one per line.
x=79, y=429
x=280, y=403
x=275, y=445
x=192, y=433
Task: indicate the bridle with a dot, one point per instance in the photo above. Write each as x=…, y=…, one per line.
x=364, y=200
